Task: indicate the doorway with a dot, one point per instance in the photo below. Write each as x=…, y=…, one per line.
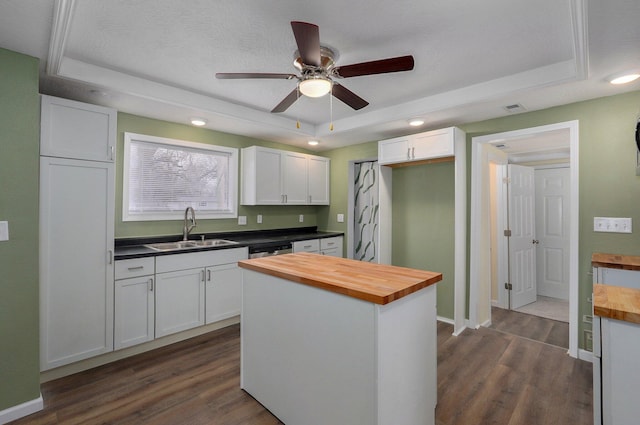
x=537, y=206
x=544, y=144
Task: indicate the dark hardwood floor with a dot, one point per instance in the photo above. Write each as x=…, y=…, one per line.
x=484, y=377
x=525, y=325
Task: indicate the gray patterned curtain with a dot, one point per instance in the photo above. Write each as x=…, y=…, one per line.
x=366, y=206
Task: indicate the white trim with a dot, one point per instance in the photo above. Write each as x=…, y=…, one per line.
x=21, y=410
x=445, y=320
x=585, y=355
x=178, y=215
x=460, y=230
x=62, y=14
x=477, y=144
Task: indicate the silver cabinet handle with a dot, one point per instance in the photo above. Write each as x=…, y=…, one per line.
x=112, y=150
x=413, y=153
x=408, y=153
x=135, y=268
x=309, y=198
x=208, y=275
x=110, y=254
x=203, y=275
x=151, y=285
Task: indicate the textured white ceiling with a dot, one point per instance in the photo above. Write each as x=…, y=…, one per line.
x=158, y=58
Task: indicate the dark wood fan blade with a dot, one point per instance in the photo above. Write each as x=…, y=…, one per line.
x=238, y=75
x=308, y=39
x=401, y=63
x=286, y=102
x=348, y=97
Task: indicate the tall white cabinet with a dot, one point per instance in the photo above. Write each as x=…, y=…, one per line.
x=77, y=204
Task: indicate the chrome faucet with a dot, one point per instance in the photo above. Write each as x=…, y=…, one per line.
x=188, y=227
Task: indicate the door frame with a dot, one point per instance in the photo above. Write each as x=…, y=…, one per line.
x=479, y=303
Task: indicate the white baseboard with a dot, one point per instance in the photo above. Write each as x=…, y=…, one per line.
x=585, y=355
x=21, y=410
x=445, y=320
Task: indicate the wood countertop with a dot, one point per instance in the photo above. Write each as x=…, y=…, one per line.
x=377, y=283
x=616, y=302
x=615, y=261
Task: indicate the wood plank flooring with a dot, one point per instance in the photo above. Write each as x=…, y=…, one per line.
x=528, y=326
x=484, y=377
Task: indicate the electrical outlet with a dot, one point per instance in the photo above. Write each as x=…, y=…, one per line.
x=4, y=230
x=259, y=219
x=340, y=218
x=242, y=220
x=301, y=218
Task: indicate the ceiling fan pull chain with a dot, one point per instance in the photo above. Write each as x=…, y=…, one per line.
x=331, y=109
x=297, y=114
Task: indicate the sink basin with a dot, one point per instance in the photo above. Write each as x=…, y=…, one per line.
x=214, y=242
x=173, y=246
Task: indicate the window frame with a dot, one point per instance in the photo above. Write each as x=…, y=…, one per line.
x=179, y=215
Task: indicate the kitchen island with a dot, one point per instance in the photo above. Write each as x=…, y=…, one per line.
x=329, y=340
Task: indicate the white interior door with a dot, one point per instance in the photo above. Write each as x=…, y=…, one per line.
x=552, y=231
x=522, y=251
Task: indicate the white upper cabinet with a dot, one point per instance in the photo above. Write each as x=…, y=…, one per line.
x=419, y=147
x=75, y=130
x=277, y=177
x=319, y=180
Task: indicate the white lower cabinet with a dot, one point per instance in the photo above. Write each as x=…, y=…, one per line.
x=310, y=245
x=192, y=289
x=179, y=301
x=223, y=292
x=331, y=246
x=134, y=311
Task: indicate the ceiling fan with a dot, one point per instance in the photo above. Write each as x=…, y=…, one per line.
x=316, y=64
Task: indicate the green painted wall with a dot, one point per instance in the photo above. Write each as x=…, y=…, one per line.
x=19, y=306
x=273, y=216
x=608, y=184
x=608, y=187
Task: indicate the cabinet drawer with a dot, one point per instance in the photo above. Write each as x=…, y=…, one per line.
x=311, y=245
x=328, y=243
x=135, y=267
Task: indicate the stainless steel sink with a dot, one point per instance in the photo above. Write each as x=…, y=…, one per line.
x=175, y=246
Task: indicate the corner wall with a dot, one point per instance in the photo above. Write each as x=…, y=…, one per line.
x=19, y=286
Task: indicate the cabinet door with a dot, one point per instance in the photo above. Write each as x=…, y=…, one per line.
x=433, y=144
x=134, y=311
x=179, y=301
x=294, y=178
x=223, y=292
x=268, y=177
x=76, y=260
x=393, y=151
x=318, y=180
x=311, y=245
x=71, y=129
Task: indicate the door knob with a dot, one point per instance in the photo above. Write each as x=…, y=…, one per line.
x=535, y=241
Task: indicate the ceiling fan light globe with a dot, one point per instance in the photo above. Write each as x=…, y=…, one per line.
x=315, y=87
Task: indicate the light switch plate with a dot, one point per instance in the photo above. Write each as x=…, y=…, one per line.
x=340, y=218
x=242, y=220
x=612, y=224
x=4, y=230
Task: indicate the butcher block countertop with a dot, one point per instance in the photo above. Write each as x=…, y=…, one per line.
x=615, y=261
x=376, y=283
x=616, y=302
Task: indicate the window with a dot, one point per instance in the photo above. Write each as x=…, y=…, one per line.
x=162, y=177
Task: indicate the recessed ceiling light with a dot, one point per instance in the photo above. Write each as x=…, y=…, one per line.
x=627, y=77
x=313, y=142
x=416, y=122
x=198, y=121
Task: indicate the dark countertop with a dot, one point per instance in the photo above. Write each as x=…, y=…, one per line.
x=127, y=248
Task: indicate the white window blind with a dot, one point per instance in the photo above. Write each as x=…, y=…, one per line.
x=162, y=177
